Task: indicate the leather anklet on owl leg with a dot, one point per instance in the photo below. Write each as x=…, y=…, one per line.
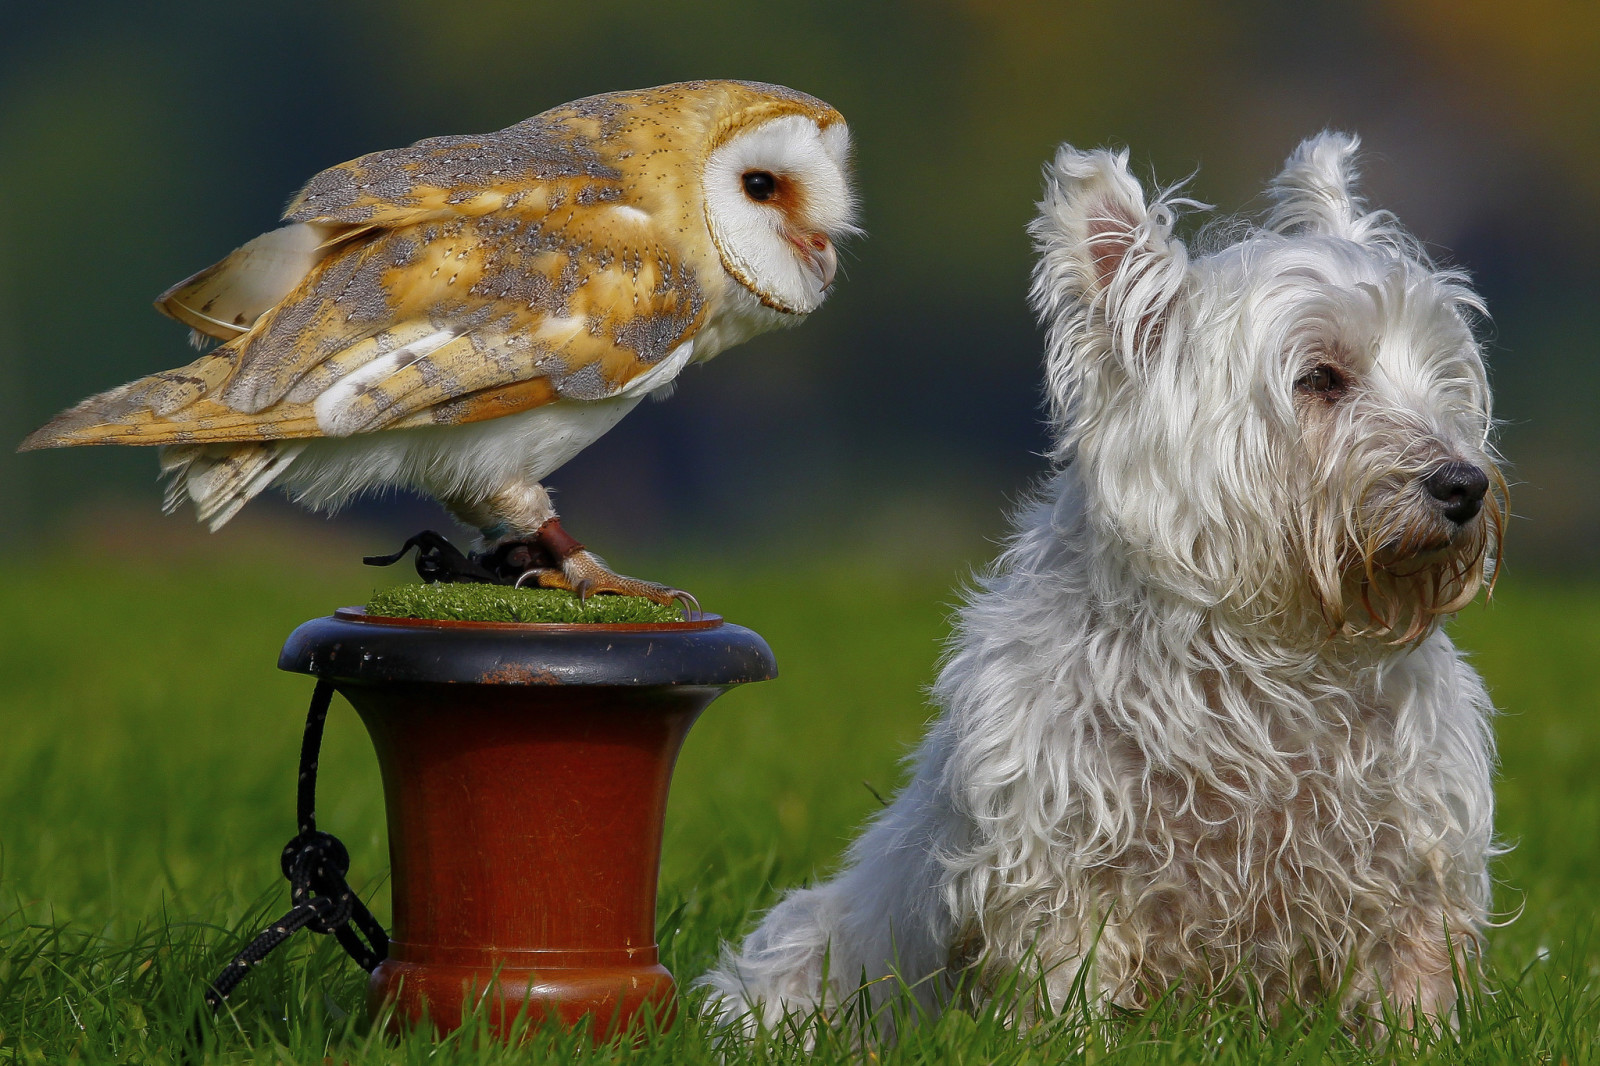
x=581, y=571
x=507, y=522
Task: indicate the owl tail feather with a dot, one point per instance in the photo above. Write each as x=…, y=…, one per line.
x=221, y=478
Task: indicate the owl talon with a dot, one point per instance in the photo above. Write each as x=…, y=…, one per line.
x=691, y=606
x=538, y=574
x=584, y=574
x=552, y=559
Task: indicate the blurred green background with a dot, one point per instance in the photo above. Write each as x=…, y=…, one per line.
x=829, y=486
x=139, y=142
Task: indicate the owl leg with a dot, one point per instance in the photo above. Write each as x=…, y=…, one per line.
x=520, y=528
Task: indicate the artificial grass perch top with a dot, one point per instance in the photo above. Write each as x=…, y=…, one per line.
x=466, y=602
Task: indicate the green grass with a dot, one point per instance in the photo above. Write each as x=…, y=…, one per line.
x=147, y=760
x=502, y=603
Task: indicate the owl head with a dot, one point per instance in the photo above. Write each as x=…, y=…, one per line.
x=777, y=195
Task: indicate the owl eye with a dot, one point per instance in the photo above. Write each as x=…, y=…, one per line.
x=759, y=185
x=1325, y=381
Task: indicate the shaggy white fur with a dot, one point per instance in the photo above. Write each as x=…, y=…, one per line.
x=1200, y=725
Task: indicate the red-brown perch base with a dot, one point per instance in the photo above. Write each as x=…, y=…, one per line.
x=525, y=772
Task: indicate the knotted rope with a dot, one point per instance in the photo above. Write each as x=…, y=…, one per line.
x=315, y=864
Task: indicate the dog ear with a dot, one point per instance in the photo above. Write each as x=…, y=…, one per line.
x=1109, y=270
x=1315, y=193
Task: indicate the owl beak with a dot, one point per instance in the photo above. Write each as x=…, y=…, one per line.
x=820, y=258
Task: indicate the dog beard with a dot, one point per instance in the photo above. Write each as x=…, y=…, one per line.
x=1391, y=566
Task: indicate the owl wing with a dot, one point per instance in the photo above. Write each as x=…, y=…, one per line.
x=395, y=300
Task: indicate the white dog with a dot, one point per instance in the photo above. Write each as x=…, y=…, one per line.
x=1201, y=728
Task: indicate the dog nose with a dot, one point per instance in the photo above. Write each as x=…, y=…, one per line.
x=1459, y=488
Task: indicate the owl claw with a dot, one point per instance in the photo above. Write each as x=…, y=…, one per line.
x=691, y=606
x=584, y=575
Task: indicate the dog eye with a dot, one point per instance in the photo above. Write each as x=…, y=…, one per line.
x=759, y=185
x=1324, y=381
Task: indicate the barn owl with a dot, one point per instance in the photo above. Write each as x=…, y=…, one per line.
x=463, y=316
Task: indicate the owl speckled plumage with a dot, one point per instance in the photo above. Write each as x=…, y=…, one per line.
x=465, y=315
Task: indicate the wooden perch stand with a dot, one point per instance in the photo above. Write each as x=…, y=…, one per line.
x=525, y=773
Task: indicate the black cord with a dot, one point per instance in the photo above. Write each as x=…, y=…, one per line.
x=315, y=864
x=439, y=560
